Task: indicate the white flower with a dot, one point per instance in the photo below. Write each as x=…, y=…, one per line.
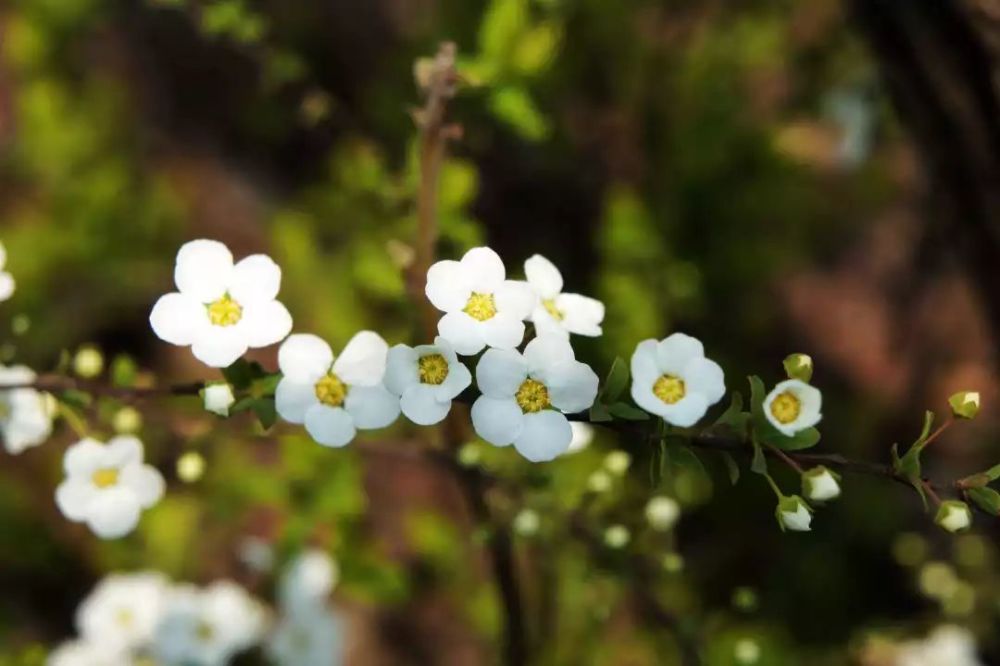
x=617, y=462
x=308, y=581
x=746, y=651
x=25, y=414
x=794, y=514
x=617, y=536
x=793, y=406
x=208, y=627
x=6, y=279
x=527, y=522
x=219, y=398
x=221, y=309
x=557, y=312
x=524, y=397
x=954, y=516
x=673, y=379
x=947, y=645
x=335, y=398
x=107, y=485
x=122, y=612
x=481, y=306
x=662, y=513
x=84, y=653
x=426, y=378
x=309, y=639
x=820, y=484
x=583, y=435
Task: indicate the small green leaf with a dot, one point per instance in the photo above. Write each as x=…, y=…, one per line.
x=628, y=412
x=732, y=467
x=926, y=431
x=615, y=382
x=599, y=413
x=758, y=465
x=986, y=498
x=265, y=411
x=734, y=417
x=993, y=472
x=803, y=439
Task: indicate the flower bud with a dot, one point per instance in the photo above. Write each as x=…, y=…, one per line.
x=793, y=514
x=469, y=455
x=617, y=462
x=746, y=651
x=799, y=366
x=599, y=482
x=127, y=420
x=662, y=513
x=88, y=362
x=219, y=398
x=820, y=484
x=965, y=404
x=954, y=516
x=190, y=467
x=526, y=523
x=617, y=536
x=583, y=435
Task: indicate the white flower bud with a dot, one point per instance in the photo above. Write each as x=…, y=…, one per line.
x=820, y=484
x=662, y=513
x=617, y=536
x=794, y=514
x=88, y=362
x=526, y=523
x=190, y=467
x=617, y=462
x=583, y=435
x=219, y=398
x=599, y=482
x=746, y=651
x=126, y=421
x=954, y=516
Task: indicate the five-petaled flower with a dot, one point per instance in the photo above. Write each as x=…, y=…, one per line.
x=122, y=611
x=673, y=379
x=25, y=414
x=482, y=308
x=335, y=398
x=558, y=312
x=426, y=378
x=525, y=396
x=793, y=406
x=107, y=486
x=221, y=309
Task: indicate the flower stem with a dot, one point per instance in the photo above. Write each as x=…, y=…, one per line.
x=788, y=460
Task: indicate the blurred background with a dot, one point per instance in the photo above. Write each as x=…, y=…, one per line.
x=770, y=176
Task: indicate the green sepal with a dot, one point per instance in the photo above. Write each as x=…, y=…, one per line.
x=615, y=382
x=986, y=498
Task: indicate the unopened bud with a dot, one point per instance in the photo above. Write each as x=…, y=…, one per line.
x=793, y=514
x=799, y=366
x=820, y=484
x=662, y=513
x=219, y=398
x=954, y=516
x=88, y=362
x=965, y=404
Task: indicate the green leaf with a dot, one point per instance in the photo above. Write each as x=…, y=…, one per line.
x=627, y=412
x=732, y=467
x=734, y=417
x=265, y=411
x=758, y=465
x=242, y=373
x=537, y=48
x=599, y=413
x=910, y=469
x=501, y=26
x=986, y=498
x=993, y=472
x=926, y=431
x=123, y=371
x=803, y=439
x=616, y=381
x=515, y=106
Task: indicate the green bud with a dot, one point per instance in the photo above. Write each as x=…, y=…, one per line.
x=617, y=536
x=799, y=366
x=793, y=514
x=617, y=462
x=965, y=404
x=88, y=362
x=127, y=420
x=954, y=516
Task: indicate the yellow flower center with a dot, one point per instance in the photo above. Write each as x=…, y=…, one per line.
x=204, y=631
x=480, y=306
x=125, y=617
x=550, y=306
x=786, y=407
x=330, y=390
x=105, y=477
x=669, y=389
x=225, y=311
x=532, y=396
x=433, y=369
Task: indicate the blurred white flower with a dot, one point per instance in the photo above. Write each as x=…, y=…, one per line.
x=219, y=398
x=482, y=308
x=426, y=378
x=335, y=398
x=84, y=653
x=954, y=516
x=662, y=513
x=309, y=639
x=88, y=362
x=583, y=435
x=599, y=482
x=617, y=462
x=794, y=514
x=793, y=406
x=107, y=485
x=746, y=651
x=25, y=414
x=617, y=536
x=820, y=485
x=207, y=626
x=673, y=379
x=256, y=554
x=527, y=522
x=220, y=309
x=122, y=611
x=6, y=279
x=947, y=645
x=556, y=312
x=525, y=396
x=308, y=581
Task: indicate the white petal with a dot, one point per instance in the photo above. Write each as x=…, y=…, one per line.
x=447, y=288
x=113, y=513
x=572, y=386
x=676, y=351
x=704, y=376
x=548, y=350
x=73, y=497
x=515, y=299
x=123, y=450
x=546, y=434
x=329, y=426
x=7, y=286
x=497, y=420
x=401, y=369
x=220, y=346
x=643, y=396
x=203, y=269
x=483, y=270
x=687, y=411
x=255, y=279
x=371, y=406
x=459, y=378
x=83, y=458
x=500, y=372
x=305, y=357
x=502, y=331
x=546, y=324
x=462, y=332
x=265, y=323
x=420, y=404
x=145, y=481
x=581, y=315
x=645, y=366
x=362, y=363
x=177, y=318
x=293, y=398
x=543, y=276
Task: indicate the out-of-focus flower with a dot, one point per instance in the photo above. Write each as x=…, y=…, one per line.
x=85, y=653
x=122, y=611
x=954, y=516
x=127, y=420
x=794, y=514
x=617, y=462
x=426, y=379
x=583, y=435
x=662, y=513
x=947, y=645
x=88, y=362
x=220, y=309
x=6, y=279
x=256, y=553
x=793, y=406
x=526, y=522
x=599, y=482
x=311, y=639
x=746, y=651
x=557, y=312
x=482, y=308
x=820, y=485
x=617, y=536
x=218, y=398
x=107, y=485
x=335, y=398
x=673, y=379
x=25, y=414
x=308, y=581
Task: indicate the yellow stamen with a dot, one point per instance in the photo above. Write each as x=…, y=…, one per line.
x=433, y=369
x=669, y=389
x=550, y=306
x=105, y=477
x=481, y=306
x=225, y=312
x=786, y=407
x=204, y=631
x=532, y=396
x=125, y=617
x=330, y=390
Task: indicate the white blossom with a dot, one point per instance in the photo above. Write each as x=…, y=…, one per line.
x=221, y=309
x=820, y=485
x=25, y=414
x=426, y=378
x=310, y=639
x=335, y=398
x=122, y=611
x=673, y=379
x=794, y=514
x=947, y=645
x=793, y=406
x=527, y=522
x=662, y=513
x=85, y=653
x=219, y=398
x=6, y=279
x=482, y=308
x=525, y=396
x=307, y=581
x=617, y=536
x=558, y=312
x=954, y=516
x=583, y=435
x=107, y=485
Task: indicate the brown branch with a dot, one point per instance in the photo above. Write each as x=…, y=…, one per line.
x=58, y=384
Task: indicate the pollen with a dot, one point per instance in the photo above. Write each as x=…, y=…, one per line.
x=532, y=396
x=105, y=477
x=480, y=306
x=786, y=407
x=550, y=306
x=204, y=631
x=669, y=389
x=433, y=369
x=330, y=390
x=125, y=617
x=225, y=312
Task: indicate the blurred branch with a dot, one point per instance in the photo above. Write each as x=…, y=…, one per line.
x=59, y=384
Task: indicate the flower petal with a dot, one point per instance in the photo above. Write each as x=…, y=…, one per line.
x=329, y=426
x=483, y=270
x=255, y=279
x=420, y=404
x=178, y=318
x=704, y=376
x=643, y=396
x=362, y=363
x=572, y=386
x=500, y=372
x=305, y=357
x=123, y=450
x=581, y=315
x=497, y=420
x=503, y=331
x=675, y=351
x=145, y=481
x=447, y=288
x=203, y=270
x=546, y=434
x=293, y=398
x=83, y=458
x=462, y=332
x=265, y=323
x=687, y=411
x=7, y=286
x=73, y=497
x=113, y=513
x=515, y=299
x=543, y=276
x=459, y=378
x=548, y=350
x=371, y=406
x=645, y=365
x=220, y=346
x=401, y=369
